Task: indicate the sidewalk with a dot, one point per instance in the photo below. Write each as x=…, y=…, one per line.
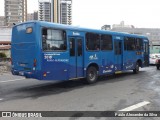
x=5, y=67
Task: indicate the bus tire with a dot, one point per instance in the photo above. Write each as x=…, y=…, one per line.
x=92, y=75
x=136, y=70
x=157, y=67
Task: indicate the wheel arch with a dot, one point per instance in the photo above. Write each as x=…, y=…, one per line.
x=94, y=65
x=139, y=61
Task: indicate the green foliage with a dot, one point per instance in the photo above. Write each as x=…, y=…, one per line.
x=3, y=55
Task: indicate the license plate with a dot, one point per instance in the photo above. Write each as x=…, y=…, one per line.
x=21, y=73
x=22, y=65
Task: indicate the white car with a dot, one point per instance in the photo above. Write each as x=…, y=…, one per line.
x=153, y=58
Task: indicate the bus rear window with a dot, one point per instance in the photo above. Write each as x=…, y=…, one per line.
x=29, y=30
x=53, y=40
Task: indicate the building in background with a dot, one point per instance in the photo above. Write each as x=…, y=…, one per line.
x=58, y=11
x=15, y=11
x=35, y=15
x=44, y=11
x=55, y=11
x=66, y=12
x=122, y=25
x=5, y=40
x=2, y=21
x=30, y=16
x=106, y=27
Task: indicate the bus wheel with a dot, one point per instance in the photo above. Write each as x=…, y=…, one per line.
x=91, y=75
x=157, y=67
x=136, y=70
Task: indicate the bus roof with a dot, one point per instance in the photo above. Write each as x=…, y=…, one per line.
x=70, y=27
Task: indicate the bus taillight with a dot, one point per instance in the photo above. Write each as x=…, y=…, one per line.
x=44, y=74
x=35, y=63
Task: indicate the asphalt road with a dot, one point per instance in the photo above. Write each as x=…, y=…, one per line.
x=110, y=93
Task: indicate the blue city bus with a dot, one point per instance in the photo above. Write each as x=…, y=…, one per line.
x=50, y=51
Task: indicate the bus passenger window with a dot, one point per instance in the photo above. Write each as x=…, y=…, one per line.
x=92, y=41
x=53, y=40
x=106, y=42
x=139, y=44
x=129, y=44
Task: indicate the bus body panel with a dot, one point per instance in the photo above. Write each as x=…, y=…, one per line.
x=107, y=62
x=55, y=65
x=92, y=58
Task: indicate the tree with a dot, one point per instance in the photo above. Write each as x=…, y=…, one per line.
x=3, y=55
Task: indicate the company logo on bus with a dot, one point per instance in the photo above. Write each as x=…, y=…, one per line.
x=93, y=57
x=118, y=37
x=145, y=40
x=76, y=33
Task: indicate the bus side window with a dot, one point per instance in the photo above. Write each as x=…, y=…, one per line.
x=139, y=44
x=129, y=44
x=92, y=41
x=106, y=42
x=44, y=39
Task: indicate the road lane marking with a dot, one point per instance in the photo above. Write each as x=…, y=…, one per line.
x=133, y=107
x=12, y=80
x=1, y=99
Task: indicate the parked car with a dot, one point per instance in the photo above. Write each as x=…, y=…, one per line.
x=153, y=58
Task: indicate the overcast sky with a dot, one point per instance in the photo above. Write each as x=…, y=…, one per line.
x=96, y=13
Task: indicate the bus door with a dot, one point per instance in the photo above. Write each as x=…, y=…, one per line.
x=76, y=57
x=118, y=55
x=146, y=53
